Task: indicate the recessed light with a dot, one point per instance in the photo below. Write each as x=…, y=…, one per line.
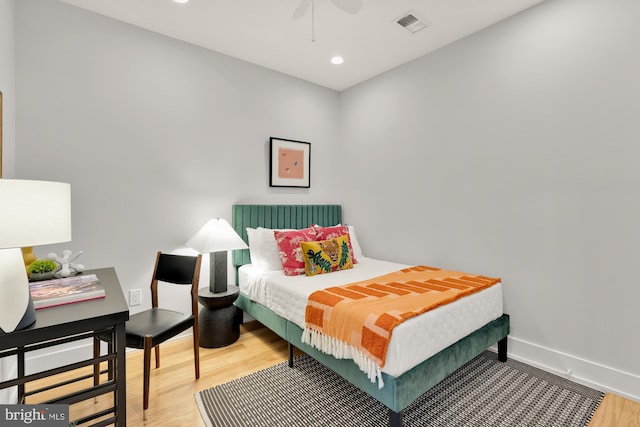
x=181, y=1
x=337, y=60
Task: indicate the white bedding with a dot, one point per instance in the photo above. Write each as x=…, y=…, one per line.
x=412, y=342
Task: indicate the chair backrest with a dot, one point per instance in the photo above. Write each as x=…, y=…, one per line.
x=179, y=270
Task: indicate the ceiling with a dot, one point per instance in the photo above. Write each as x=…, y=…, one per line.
x=263, y=31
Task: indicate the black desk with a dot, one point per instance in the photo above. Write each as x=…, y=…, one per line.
x=73, y=322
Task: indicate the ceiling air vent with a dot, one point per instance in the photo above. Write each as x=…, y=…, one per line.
x=410, y=22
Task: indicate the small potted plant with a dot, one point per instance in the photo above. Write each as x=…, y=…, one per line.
x=42, y=269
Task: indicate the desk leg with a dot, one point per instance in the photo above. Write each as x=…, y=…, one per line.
x=120, y=395
x=21, y=372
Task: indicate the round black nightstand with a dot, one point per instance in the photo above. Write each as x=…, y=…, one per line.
x=219, y=319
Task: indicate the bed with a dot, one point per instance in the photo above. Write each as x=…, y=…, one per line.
x=400, y=388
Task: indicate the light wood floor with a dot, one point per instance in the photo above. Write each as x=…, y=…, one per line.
x=173, y=385
x=616, y=411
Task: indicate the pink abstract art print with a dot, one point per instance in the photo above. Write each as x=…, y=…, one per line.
x=291, y=163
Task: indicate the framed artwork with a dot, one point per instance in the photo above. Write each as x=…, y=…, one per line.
x=290, y=163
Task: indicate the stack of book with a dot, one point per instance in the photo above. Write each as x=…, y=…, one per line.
x=50, y=293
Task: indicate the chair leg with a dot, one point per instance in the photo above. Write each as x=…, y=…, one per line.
x=147, y=375
x=196, y=349
x=157, y=350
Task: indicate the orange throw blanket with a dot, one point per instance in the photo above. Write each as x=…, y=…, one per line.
x=356, y=320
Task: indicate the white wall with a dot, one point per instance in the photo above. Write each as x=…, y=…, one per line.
x=8, y=367
x=7, y=85
x=514, y=153
x=155, y=136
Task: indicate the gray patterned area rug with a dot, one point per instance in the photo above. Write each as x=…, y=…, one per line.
x=484, y=392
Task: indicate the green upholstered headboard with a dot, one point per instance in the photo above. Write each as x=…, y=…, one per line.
x=279, y=216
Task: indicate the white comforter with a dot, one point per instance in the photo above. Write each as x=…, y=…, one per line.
x=412, y=342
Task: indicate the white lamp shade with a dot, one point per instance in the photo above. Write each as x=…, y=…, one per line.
x=31, y=213
x=216, y=235
x=34, y=213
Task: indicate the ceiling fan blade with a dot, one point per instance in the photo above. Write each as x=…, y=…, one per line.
x=349, y=6
x=301, y=9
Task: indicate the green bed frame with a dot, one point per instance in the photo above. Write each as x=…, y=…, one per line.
x=398, y=392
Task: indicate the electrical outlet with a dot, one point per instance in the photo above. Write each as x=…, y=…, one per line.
x=135, y=297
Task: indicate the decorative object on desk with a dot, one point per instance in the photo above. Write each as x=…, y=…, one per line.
x=67, y=266
x=50, y=293
x=290, y=163
x=42, y=269
x=28, y=256
x=217, y=237
x=33, y=213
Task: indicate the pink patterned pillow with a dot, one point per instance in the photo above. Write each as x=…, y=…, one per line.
x=328, y=233
x=290, y=251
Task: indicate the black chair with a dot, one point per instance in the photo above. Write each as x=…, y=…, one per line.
x=149, y=328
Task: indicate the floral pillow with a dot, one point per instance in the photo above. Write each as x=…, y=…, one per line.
x=326, y=256
x=290, y=251
x=328, y=233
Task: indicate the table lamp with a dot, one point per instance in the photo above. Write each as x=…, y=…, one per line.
x=31, y=213
x=217, y=237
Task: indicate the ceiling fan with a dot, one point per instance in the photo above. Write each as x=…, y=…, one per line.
x=349, y=6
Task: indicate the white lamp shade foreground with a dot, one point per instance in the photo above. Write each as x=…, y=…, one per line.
x=217, y=237
x=34, y=213
x=31, y=213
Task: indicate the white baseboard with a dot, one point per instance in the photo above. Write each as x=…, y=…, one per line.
x=577, y=369
x=60, y=355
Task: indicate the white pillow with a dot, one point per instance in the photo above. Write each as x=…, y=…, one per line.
x=357, y=250
x=252, y=238
x=263, y=249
